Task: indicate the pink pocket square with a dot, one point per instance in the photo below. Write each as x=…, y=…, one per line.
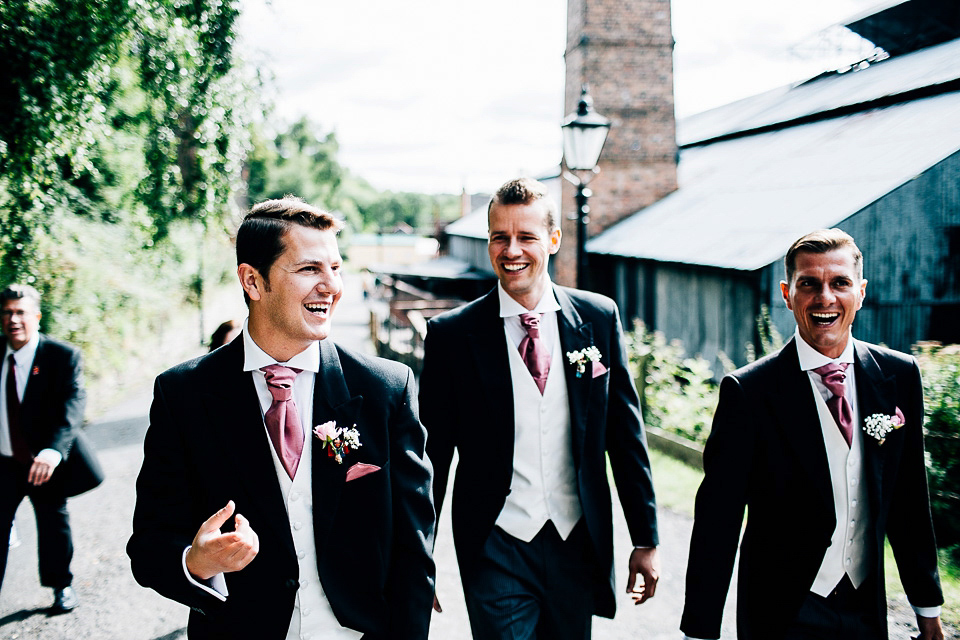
x=598, y=369
x=359, y=470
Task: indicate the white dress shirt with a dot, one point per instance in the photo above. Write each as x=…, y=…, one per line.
x=313, y=617
x=24, y=360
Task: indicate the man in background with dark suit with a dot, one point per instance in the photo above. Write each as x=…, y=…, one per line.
x=284, y=492
x=822, y=444
x=530, y=384
x=41, y=412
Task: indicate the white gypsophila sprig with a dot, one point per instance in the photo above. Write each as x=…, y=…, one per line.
x=879, y=426
x=581, y=357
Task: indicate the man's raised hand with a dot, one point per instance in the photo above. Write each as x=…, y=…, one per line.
x=213, y=552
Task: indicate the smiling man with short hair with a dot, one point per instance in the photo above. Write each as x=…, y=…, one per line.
x=530, y=385
x=285, y=492
x=821, y=443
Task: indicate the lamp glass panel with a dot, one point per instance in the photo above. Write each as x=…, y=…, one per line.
x=582, y=146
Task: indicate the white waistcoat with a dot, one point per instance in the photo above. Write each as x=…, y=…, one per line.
x=846, y=553
x=313, y=617
x=544, y=485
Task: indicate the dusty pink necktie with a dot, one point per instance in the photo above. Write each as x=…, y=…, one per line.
x=833, y=377
x=283, y=423
x=532, y=350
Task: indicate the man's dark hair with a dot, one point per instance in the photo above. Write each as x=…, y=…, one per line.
x=822, y=241
x=20, y=291
x=260, y=236
x=526, y=191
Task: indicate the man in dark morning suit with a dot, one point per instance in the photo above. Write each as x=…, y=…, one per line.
x=272, y=527
x=822, y=443
x=41, y=412
x=533, y=424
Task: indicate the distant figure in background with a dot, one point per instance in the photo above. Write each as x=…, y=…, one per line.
x=225, y=333
x=821, y=443
x=41, y=411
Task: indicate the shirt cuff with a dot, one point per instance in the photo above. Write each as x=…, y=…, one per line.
x=51, y=457
x=215, y=586
x=927, y=612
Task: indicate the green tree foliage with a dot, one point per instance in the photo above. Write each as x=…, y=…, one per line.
x=302, y=161
x=677, y=392
x=123, y=126
x=940, y=367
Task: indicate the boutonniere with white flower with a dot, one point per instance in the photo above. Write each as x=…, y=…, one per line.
x=880, y=425
x=338, y=442
x=580, y=358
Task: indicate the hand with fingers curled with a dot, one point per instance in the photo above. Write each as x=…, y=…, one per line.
x=214, y=552
x=40, y=471
x=646, y=562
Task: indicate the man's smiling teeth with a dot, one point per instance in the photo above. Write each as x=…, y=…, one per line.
x=316, y=307
x=825, y=317
x=514, y=267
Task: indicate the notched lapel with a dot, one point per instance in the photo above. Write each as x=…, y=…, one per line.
x=232, y=404
x=876, y=393
x=799, y=422
x=331, y=401
x=575, y=335
x=488, y=358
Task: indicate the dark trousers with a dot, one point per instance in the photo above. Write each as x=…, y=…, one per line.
x=846, y=614
x=54, y=542
x=537, y=589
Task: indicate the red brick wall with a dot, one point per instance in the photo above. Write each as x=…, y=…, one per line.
x=623, y=50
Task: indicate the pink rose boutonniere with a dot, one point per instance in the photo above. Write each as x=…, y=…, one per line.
x=338, y=442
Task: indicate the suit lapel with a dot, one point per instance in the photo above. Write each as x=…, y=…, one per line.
x=488, y=350
x=575, y=335
x=38, y=368
x=876, y=393
x=235, y=409
x=799, y=421
x=331, y=401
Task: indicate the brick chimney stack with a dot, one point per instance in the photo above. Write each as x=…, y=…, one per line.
x=623, y=51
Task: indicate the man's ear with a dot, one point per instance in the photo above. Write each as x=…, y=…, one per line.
x=785, y=292
x=250, y=280
x=555, y=237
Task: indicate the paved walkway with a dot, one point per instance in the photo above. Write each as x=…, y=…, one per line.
x=114, y=607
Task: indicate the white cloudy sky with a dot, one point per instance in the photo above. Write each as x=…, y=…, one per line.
x=437, y=95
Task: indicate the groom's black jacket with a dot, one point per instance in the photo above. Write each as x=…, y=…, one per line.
x=206, y=445
x=766, y=453
x=466, y=399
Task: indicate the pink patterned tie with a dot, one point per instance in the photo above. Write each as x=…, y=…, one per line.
x=283, y=423
x=534, y=354
x=833, y=377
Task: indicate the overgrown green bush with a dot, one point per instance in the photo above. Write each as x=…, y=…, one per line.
x=940, y=366
x=677, y=392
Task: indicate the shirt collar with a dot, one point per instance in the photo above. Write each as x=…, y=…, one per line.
x=25, y=354
x=810, y=358
x=510, y=307
x=255, y=358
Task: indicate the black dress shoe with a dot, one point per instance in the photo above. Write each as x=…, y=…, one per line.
x=64, y=600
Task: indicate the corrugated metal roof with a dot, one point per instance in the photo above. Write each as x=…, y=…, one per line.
x=890, y=77
x=741, y=202
x=909, y=25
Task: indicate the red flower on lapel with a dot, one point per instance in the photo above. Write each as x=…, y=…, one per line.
x=35, y=371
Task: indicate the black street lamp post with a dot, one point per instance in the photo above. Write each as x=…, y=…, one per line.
x=584, y=134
